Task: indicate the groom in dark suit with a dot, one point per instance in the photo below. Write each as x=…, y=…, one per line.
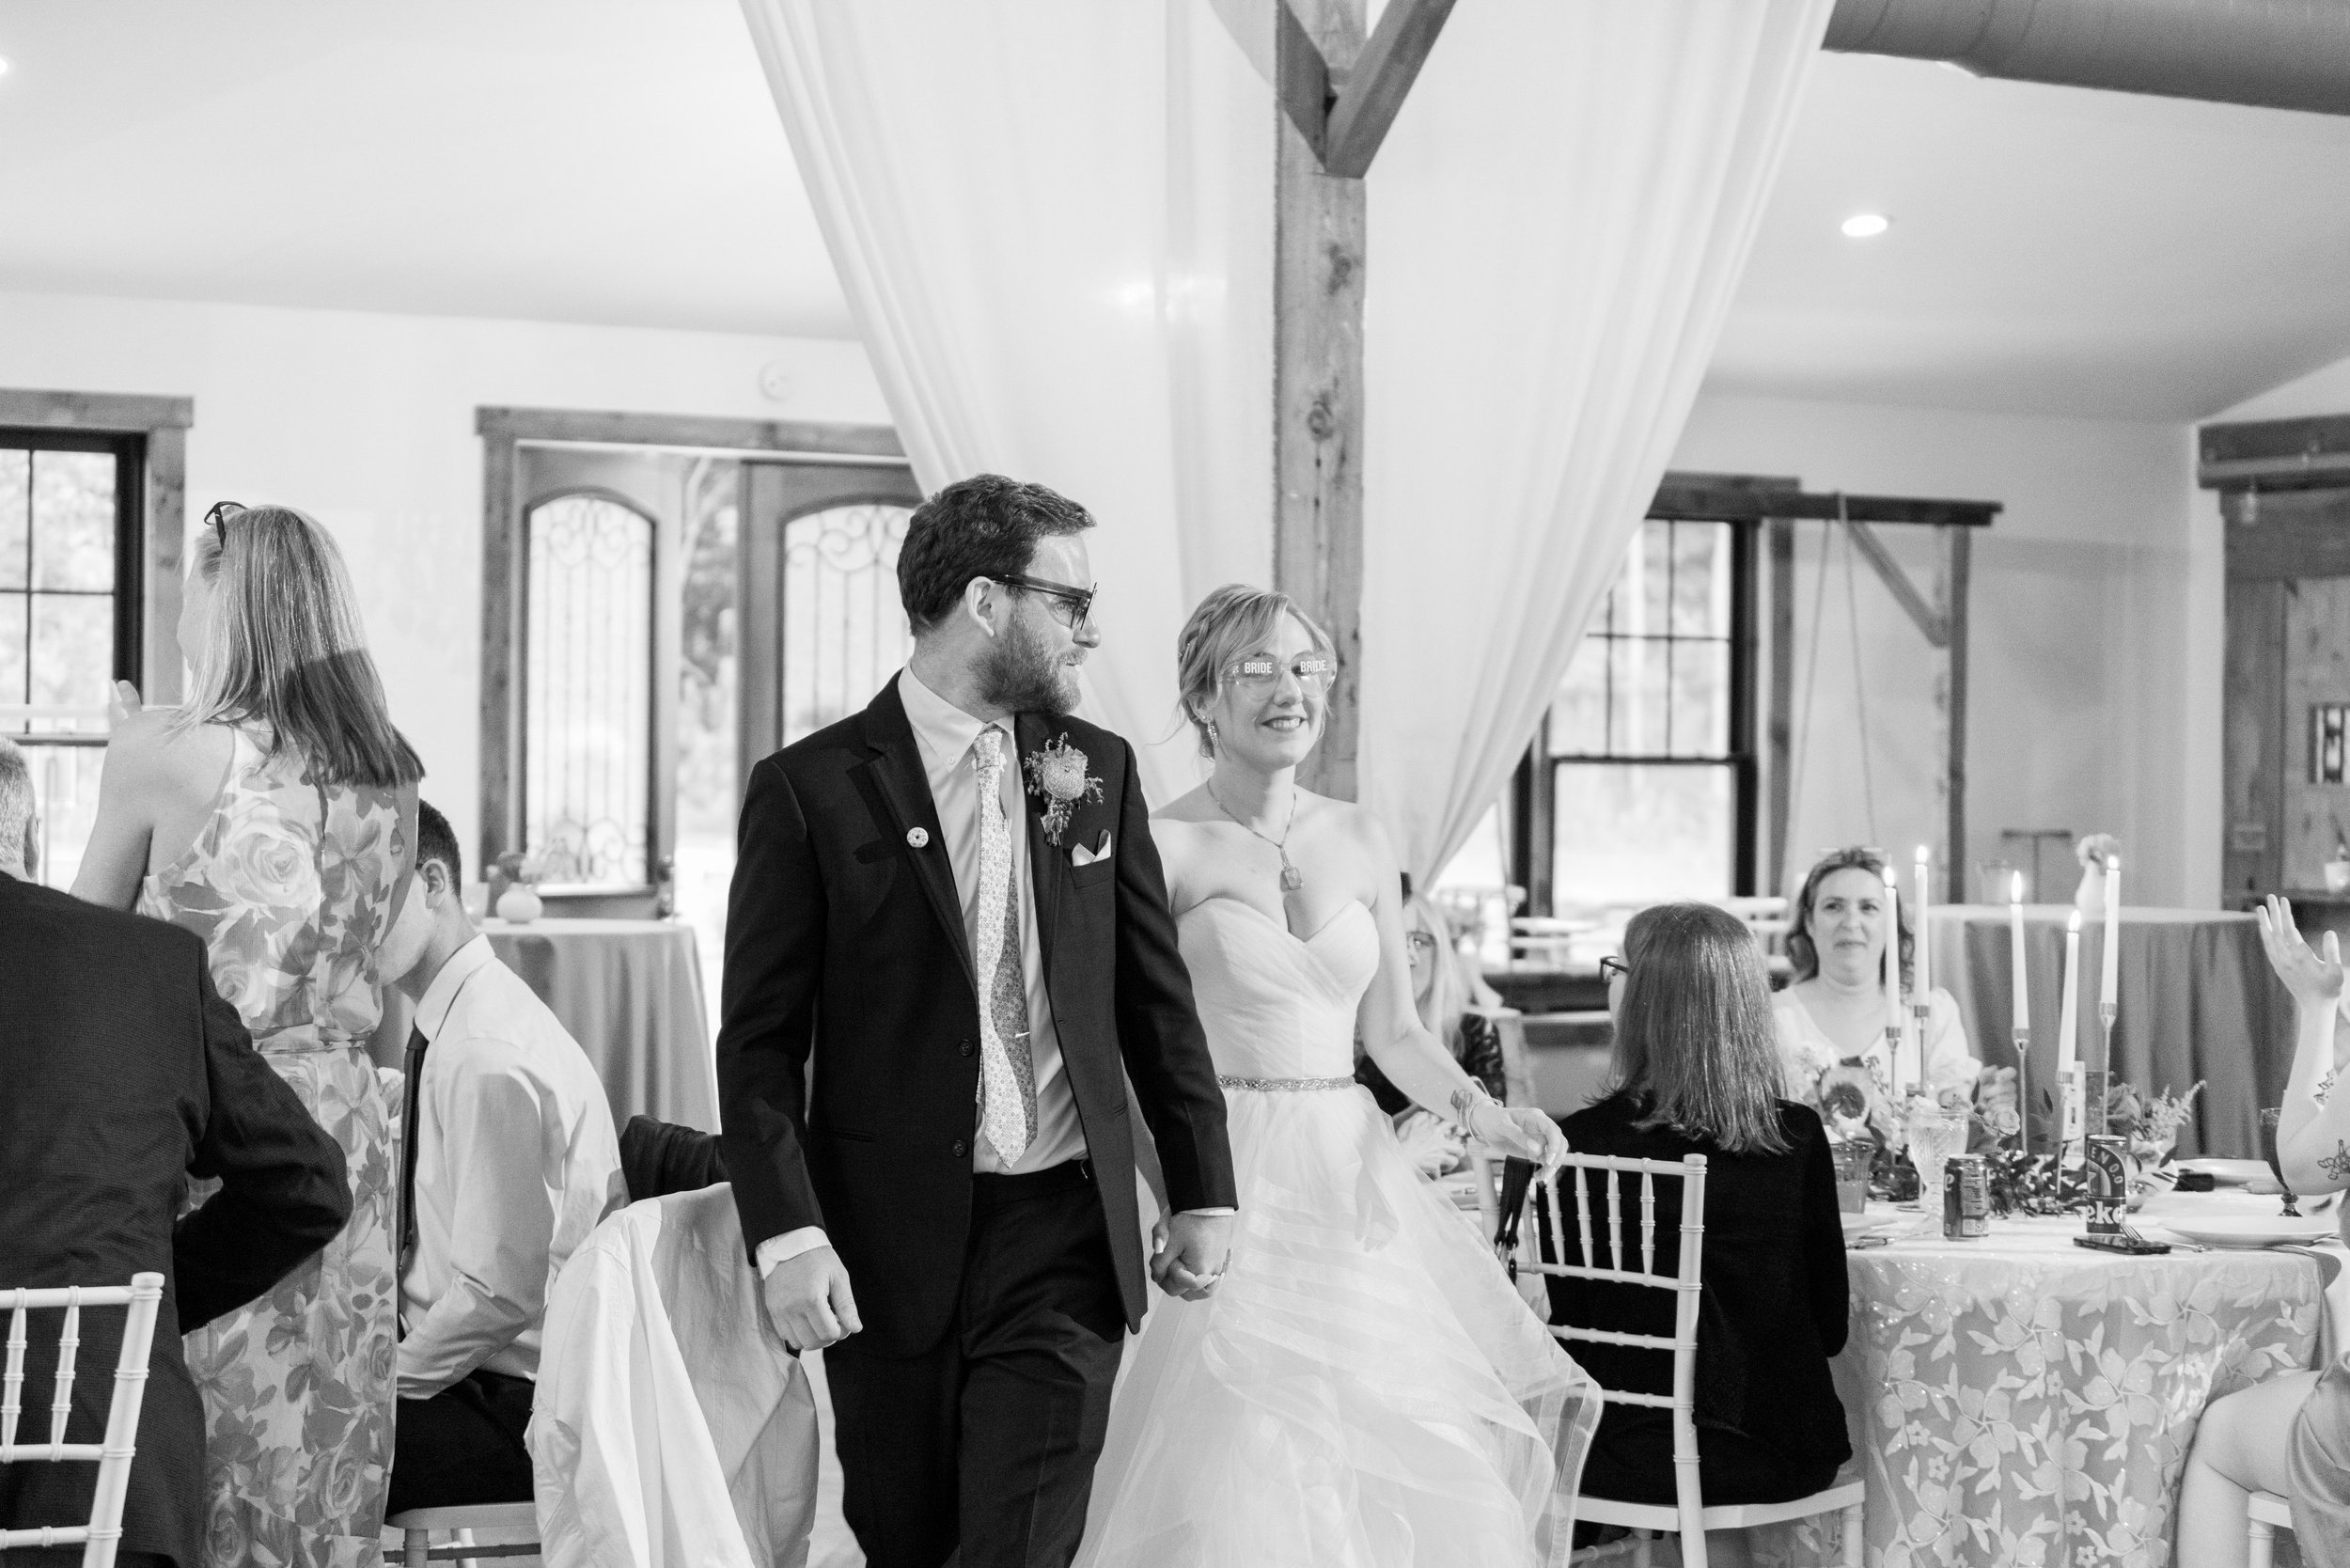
x=952, y=902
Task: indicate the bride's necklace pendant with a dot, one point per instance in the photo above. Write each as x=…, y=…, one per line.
x=1291, y=878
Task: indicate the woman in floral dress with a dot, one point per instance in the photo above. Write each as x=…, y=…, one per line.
x=273, y=816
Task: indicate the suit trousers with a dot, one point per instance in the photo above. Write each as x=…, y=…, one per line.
x=463, y=1446
x=987, y=1441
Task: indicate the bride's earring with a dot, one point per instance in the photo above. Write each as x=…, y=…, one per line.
x=1212, y=737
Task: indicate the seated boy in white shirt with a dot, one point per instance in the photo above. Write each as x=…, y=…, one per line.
x=509, y=1160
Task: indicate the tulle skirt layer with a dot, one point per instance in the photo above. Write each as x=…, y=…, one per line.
x=1364, y=1390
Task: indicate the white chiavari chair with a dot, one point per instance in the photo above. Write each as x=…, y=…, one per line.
x=419, y=1526
x=1689, y=1518
x=102, y=1535
x=2268, y=1514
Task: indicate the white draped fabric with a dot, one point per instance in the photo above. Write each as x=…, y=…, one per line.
x=1053, y=219
x=1558, y=223
x=1053, y=223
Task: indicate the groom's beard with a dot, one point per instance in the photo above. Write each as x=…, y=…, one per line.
x=1021, y=674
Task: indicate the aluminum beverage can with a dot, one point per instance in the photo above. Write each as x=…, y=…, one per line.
x=1967, y=1198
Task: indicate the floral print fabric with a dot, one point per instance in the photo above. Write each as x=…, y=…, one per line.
x=290, y=886
x=2022, y=1400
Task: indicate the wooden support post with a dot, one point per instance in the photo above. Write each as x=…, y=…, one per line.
x=1317, y=386
x=1778, y=536
x=1959, y=545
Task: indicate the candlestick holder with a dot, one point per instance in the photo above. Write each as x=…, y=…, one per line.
x=2023, y=1097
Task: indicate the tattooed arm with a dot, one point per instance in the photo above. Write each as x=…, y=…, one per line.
x=2314, y=1134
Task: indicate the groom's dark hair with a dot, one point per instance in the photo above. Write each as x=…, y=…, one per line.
x=986, y=526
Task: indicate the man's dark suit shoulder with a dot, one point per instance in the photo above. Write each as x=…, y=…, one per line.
x=61, y=920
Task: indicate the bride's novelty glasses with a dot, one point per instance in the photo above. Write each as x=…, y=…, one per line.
x=1257, y=676
x=1071, y=606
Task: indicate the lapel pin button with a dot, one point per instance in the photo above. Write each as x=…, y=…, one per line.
x=917, y=837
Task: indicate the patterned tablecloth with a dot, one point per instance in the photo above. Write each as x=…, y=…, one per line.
x=2022, y=1400
x=630, y=993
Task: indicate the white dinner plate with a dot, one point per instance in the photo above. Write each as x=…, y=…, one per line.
x=2233, y=1174
x=1867, y=1225
x=2247, y=1229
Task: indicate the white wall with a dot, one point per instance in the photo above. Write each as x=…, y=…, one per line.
x=2097, y=610
x=366, y=422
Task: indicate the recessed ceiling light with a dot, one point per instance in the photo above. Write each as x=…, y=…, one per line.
x=1866, y=226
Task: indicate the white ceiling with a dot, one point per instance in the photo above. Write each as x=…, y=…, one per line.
x=2053, y=250
x=604, y=161
x=620, y=162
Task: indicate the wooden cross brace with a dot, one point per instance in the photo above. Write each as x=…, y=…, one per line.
x=1343, y=110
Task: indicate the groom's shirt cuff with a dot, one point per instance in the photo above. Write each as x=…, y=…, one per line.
x=1207, y=1211
x=775, y=1249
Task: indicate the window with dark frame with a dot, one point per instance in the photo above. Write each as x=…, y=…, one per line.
x=70, y=617
x=1640, y=784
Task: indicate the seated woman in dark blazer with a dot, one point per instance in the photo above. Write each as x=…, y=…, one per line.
x=1697, y=1071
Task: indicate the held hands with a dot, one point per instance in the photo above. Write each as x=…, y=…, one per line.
x=1520, y=1129
x=2315, y=981
x=1188, y=1253
x=809, y=1302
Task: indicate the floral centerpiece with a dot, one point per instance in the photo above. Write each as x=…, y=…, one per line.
x=2028, y=1183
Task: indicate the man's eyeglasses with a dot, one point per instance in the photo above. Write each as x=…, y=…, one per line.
x=217, y=518
x=1257, y=676
x=1610, y=968
x=1073, y=607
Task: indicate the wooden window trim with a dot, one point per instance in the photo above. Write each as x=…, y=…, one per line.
x=161, y=513
x=505, y=545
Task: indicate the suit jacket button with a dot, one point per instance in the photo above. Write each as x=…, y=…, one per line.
x=959, y=1149
x=963, y=1049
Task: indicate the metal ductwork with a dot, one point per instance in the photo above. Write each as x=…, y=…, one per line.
x=2273, y=53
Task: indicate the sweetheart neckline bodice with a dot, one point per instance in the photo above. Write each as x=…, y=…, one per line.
x=1278, y=1010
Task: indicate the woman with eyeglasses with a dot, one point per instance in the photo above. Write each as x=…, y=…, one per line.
x=1831, y=1018
x=275, y=816
x=1364, y=1386
x=1695, y=1071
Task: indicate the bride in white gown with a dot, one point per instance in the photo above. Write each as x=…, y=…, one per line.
x=1364, y=1388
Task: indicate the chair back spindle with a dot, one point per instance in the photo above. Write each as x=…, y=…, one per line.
x=101, y=1537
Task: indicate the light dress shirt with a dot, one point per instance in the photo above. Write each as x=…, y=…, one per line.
x=947, y=737
x=516, y=1161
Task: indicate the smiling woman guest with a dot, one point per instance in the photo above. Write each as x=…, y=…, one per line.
x=1834, y=1010
x=275, y=816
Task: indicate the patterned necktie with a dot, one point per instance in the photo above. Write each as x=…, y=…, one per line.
x=410, y=1118
x=1007, y=1078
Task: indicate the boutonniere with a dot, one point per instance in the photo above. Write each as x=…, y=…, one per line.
x=1058, y=776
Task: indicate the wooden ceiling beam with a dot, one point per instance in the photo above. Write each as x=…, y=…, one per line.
x=1380, y=80
x=1302, y=77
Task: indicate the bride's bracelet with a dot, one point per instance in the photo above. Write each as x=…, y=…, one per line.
x=1467, y=1102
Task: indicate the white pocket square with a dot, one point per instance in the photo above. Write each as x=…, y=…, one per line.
x=1080, y=855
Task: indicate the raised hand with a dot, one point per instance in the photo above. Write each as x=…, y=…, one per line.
x=810, y=1301
x=2314, y=978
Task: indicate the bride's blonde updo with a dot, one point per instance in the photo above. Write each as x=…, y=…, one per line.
x=1233, y=620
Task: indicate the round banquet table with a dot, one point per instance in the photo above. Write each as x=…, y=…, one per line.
x=2196, y=1000
x=630, y=993
x=2022, y=1400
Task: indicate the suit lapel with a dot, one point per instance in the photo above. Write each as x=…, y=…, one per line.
x=1047, y=864
x=905, y=787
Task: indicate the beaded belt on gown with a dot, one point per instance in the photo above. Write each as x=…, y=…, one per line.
x=1230, y=1082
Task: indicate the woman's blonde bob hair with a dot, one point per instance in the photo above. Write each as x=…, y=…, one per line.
x=1230, y=623
x=283, y=651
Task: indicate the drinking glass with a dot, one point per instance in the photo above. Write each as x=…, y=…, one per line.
x=1852, y=1159
x=2268, y=1150
x=1935, y=1134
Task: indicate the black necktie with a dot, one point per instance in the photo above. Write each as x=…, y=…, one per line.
x=411, y=1117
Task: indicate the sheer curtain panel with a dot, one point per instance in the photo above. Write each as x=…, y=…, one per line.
x=1558, y=223
x=1053, y=223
